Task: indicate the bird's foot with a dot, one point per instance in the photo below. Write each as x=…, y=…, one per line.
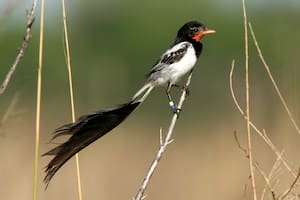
x=186, y=89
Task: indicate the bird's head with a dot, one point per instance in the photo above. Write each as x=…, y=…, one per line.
x=193, y=31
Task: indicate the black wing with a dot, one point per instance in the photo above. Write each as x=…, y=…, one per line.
x=171, y=56
x=84, y=131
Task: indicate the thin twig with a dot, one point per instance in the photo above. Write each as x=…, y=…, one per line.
x=25, y=43
x=270, y=176
x=239, y=144
x=68, y=57
x=292, y=186
x=260, y=133
x=267, y=179
x=163, y=146
x=273, y=80
x=38, y=104
x=10, y=111
x=247, y=103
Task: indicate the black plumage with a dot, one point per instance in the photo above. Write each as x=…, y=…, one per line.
x=84, y=131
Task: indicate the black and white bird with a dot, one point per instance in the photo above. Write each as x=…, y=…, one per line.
x=174, y=63
x=177, y=61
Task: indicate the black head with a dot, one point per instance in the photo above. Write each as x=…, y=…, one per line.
x=193, y=31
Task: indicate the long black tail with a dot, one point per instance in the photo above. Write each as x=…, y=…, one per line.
x=84, y=131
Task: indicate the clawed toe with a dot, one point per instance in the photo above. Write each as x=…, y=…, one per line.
x=186, y=89
x=177, y=110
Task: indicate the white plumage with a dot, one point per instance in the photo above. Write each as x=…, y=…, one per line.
x=172, y=65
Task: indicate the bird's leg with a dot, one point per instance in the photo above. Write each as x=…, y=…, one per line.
x=176, y=85
x=186, y=89
x=171, y=102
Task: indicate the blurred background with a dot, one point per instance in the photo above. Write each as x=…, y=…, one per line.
x=113, y=45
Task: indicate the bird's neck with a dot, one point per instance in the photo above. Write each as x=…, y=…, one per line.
x=198, y=48
x=197, y=45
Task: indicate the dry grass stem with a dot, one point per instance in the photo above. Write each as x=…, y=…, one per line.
x=289, y=190
x=163, y=145
x=25, y=43
x=279, y=155
x=271, y=176
x=68, y=58
x=273, y=80
x=268, y=183
x=38, y=104
x=262, y=134
x=248, y=102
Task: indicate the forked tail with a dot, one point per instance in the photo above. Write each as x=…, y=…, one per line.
x=89, y=128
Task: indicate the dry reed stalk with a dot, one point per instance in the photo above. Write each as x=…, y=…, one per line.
x=38, y=104
x=68, y=58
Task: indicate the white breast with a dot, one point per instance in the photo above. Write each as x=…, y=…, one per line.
x=179, y=69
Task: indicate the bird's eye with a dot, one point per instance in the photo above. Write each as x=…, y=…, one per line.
x=194, y=29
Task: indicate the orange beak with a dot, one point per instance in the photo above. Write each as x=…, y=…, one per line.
x=199, y=36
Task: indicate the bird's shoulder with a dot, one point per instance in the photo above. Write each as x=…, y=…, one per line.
x=172, y=55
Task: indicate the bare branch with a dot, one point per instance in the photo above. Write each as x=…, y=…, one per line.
x=25, y=43
x=163, y=145
x=239, y=144
x=160, y=137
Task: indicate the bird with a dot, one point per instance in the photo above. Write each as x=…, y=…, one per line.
x=178, y=60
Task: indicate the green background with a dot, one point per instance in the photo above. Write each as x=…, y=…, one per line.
x=113, y=45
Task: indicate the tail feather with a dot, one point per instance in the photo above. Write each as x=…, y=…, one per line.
x=85, y=131
x=89, y=128
x=146, y=89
